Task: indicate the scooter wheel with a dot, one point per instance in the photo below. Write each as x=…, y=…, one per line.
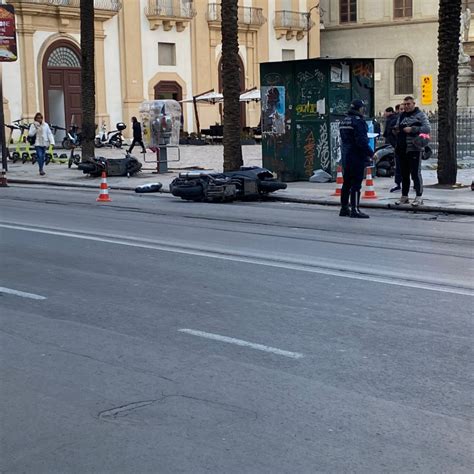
x=15, y=156
x=98, y=143
x=24, y=157
x=48, y=159
x=76, y=159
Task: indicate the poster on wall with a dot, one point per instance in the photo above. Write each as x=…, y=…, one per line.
x=273, y=109
x=8, y=48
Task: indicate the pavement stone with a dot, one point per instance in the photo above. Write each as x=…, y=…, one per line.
x=210, y=158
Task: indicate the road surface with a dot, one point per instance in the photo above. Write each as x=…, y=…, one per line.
x=153, y=335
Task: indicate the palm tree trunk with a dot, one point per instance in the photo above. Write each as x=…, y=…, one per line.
x=231, y=85
x=88, y=79
x=448, y=54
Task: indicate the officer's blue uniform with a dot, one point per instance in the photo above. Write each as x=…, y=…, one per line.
x=355, y=153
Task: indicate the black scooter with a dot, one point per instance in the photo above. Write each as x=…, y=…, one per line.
x=384, y=161
x=127, y=166
x=246, y=184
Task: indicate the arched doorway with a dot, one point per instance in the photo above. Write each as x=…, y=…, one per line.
x=243, y=114
x=170, y=90
x=62, y=84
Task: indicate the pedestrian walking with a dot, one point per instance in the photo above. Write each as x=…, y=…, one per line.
x=356, y=154
x=137, y=135
x=411, y=122
x=41, y=136
x=391, y=117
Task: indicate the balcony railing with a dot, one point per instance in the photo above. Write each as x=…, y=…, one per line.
x=169, y=13
x=248, y=17
x=292, y=23
x=110, y=5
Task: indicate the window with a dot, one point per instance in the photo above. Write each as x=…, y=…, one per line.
x=347, y=11
x=287, y=54
x=403, y=75
x=63, y=57
x=402, y=8
x=167, y=54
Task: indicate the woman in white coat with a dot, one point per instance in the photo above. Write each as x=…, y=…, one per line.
x=43, y=139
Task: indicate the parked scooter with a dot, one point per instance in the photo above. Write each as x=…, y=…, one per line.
x=110, y=139
x=384, y=161
x=73, y=138
x=21, y=127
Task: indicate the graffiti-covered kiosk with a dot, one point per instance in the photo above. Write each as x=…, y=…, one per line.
x=302, y=105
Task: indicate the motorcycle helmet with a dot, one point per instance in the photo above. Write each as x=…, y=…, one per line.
x=120, y=126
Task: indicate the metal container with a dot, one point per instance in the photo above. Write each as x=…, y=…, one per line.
x=302, y=104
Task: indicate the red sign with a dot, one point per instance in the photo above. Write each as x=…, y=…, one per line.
x=8, y=51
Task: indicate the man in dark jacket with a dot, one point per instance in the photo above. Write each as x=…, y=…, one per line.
x=137, y=135
x=409, y=125
x=356, y=153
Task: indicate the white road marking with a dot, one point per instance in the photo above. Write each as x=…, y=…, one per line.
x=23, y=294
x=246, y=257
x=240, y=342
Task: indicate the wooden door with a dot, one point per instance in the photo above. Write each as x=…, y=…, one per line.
x=62, y=84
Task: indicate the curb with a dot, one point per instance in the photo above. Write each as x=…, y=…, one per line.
x=375, y=205
x=321, y=202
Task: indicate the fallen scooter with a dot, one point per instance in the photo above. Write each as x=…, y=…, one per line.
x=127, y=166
x=249, y=183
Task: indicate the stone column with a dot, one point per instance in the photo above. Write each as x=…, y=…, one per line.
x=100, y=86
x=25, y=31
x=131, y=63
x=465, y=87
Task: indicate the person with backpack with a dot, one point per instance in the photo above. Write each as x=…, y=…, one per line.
x=41, y=136
x=137, y=135
x=411, y=123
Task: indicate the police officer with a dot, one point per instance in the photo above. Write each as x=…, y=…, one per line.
x=356, y=154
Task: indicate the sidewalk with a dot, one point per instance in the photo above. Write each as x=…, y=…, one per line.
x=209, y=158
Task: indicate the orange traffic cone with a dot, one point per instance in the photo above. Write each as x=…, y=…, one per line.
x=339, y=181
x=104, y=190
x=369, y=192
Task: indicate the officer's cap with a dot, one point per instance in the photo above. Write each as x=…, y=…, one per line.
x=357, y=104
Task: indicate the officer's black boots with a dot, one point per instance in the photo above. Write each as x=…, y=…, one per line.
x=355, y=211
x=345, y=211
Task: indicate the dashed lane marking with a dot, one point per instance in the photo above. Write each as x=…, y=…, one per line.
x=23, y=294
x=240, y=342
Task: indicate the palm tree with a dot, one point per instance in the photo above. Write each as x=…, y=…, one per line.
x=88, y=79
x=231, y=85
x=448, y=54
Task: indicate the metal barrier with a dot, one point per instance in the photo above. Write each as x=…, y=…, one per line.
x=161, y=161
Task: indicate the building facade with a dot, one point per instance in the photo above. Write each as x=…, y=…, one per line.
x=146, y=49
x=401, y=35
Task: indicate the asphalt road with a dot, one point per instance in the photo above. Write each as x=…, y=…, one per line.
x=152, y=335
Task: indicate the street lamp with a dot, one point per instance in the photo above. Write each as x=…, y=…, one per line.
x=308, y=27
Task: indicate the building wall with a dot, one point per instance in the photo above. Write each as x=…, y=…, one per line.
x=378, y=35
x=127, y=66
